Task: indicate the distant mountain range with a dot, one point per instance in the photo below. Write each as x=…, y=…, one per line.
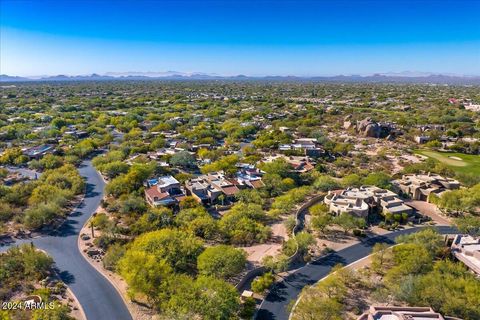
x=403, y=77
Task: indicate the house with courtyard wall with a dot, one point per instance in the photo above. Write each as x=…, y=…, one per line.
x=420, y=186
x=363, y=200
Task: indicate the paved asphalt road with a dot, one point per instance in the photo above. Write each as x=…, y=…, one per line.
x=275, y=304
x=97, y=296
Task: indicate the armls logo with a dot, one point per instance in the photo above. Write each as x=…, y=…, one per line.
x=29, y=303
x=35, y=302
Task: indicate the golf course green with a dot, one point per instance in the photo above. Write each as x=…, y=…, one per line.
x=459, y=162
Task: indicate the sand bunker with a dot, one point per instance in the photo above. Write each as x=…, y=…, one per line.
x=456, y=158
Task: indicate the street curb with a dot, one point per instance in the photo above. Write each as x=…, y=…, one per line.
x=101, y=272
x=418, y=228
x=320, y=280
x=98, y=268
x=80, y=307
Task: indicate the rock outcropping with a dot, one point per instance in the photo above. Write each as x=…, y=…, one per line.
x=370, y=128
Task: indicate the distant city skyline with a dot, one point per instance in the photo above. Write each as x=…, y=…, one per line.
x=254, y=38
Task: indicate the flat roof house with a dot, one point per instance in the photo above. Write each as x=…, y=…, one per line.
x=201, y=189
x=467, y=250
x=38, y=152
x=208, y=187
x=420, y=186
x=360, y=201
x=163, y=191
x=403, y=313
x=309, y=146
x=249, y=176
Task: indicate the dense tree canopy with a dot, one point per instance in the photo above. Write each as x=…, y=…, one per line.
x=221, y=261
x=178, y=248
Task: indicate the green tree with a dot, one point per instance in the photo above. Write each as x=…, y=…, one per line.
x=65, y=177
x=348, y=222
x=279, y=263
x=319, y=209
x=114, y=253
x=325, y=183
x=45, y=193
x=279, y=167
x=249, y=196
x=51, y=161
x=40, y=215
x=153, y=219
x=468, y=224
x=58, y=123
x=183, y=159
x=144, y=273
x=178, y=248
x=321, y=222
x=226, y=164
x=203, y=298
x=318, y=308
x=263, y=283
x=379, y=257
x=408, y=258
x=379, y=179
x=100, y=221
x=197, y=221
x=352, y=180
x=242, y=224
x=84, y=148
x=428, y=238
x=221, y=261
x=304, y=241
x=12, y=156
x=114, y=169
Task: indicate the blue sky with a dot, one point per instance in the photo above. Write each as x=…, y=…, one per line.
x=240, y=37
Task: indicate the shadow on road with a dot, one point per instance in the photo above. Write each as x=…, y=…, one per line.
x=370, y=242
x=265, y=315
x=68, y=228
x=89, y=193
x=331, y=260
x=299, y=280
x=76, y=213
x=66, y=277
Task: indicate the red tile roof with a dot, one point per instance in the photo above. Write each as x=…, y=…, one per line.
x=257, y=184
x=231, y=190
x=153, y=192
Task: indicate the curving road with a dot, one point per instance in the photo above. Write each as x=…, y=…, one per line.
x=275, y=304
x=98, y=297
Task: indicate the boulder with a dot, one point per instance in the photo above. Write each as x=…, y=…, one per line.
x=92, y=252
x=369, y=128
x=372, y=130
